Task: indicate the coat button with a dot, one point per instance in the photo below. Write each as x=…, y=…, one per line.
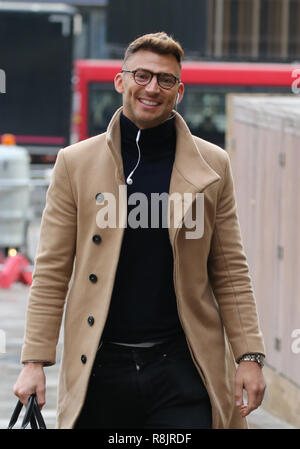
x=93, y=278
x=99, y=198
x=91, y=320
x=97, y=238
x=83, y=358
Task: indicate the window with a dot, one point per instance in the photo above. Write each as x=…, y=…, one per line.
x=204, y=108
x=204, y=113
x=103, y=102
x=254, y=29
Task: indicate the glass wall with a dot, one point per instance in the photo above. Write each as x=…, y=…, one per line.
x=265, y=30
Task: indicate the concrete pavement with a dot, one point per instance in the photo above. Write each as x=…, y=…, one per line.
x=12, y=312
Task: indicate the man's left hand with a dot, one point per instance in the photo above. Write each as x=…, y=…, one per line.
x=249, y=376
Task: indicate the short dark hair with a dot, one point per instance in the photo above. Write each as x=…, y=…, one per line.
x=159, y=43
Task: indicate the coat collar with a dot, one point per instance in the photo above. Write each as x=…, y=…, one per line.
x=190, y=172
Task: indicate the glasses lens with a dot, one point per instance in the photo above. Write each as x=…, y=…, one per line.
x=166, y=81
x=142, y=77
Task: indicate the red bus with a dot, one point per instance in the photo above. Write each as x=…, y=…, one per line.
x=204, y=103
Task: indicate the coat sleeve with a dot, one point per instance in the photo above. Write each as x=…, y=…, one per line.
x=53, y=268
x=229, y=274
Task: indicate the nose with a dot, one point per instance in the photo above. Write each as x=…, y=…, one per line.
x=153, y=86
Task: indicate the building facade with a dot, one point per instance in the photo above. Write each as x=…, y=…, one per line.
x=235, y=30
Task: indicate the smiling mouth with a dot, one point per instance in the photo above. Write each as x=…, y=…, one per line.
x=148, y=102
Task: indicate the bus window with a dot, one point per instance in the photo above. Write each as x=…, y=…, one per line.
x=204, y=108
x=103, y=102
x=204, y=113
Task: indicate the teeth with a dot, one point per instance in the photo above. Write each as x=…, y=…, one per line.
x=149, y=103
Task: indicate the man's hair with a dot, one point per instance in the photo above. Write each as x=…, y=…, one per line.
x=159, y=43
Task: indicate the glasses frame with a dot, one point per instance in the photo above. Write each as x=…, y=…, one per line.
x=177, y=80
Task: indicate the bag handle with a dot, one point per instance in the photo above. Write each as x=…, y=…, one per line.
x=32, y=415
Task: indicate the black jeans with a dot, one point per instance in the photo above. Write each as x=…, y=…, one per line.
x=156, y=387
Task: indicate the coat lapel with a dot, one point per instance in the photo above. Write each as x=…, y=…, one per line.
x=113, y=141
x=190, y=174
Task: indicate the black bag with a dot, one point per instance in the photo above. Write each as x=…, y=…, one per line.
x=32, y=415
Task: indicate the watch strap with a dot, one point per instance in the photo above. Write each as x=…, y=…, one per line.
x=252, y=357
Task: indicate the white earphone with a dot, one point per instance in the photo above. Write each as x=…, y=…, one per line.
x=129, y=180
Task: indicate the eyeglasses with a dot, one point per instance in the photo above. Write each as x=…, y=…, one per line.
x=142, y=77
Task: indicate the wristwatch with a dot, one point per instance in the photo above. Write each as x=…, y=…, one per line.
x=259, y=358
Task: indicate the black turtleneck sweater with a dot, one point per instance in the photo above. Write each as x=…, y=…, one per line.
x=143, y=305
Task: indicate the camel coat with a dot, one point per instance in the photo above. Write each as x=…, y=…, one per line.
x=75, y=271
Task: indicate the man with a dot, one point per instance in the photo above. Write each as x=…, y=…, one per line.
x=156, y=317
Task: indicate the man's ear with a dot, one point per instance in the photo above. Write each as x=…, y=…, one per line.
x=118, y=81
x=180, y=92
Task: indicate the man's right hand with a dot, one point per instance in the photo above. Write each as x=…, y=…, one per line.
x=31, y=380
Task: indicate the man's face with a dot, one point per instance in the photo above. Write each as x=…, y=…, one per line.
x=150, y=105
